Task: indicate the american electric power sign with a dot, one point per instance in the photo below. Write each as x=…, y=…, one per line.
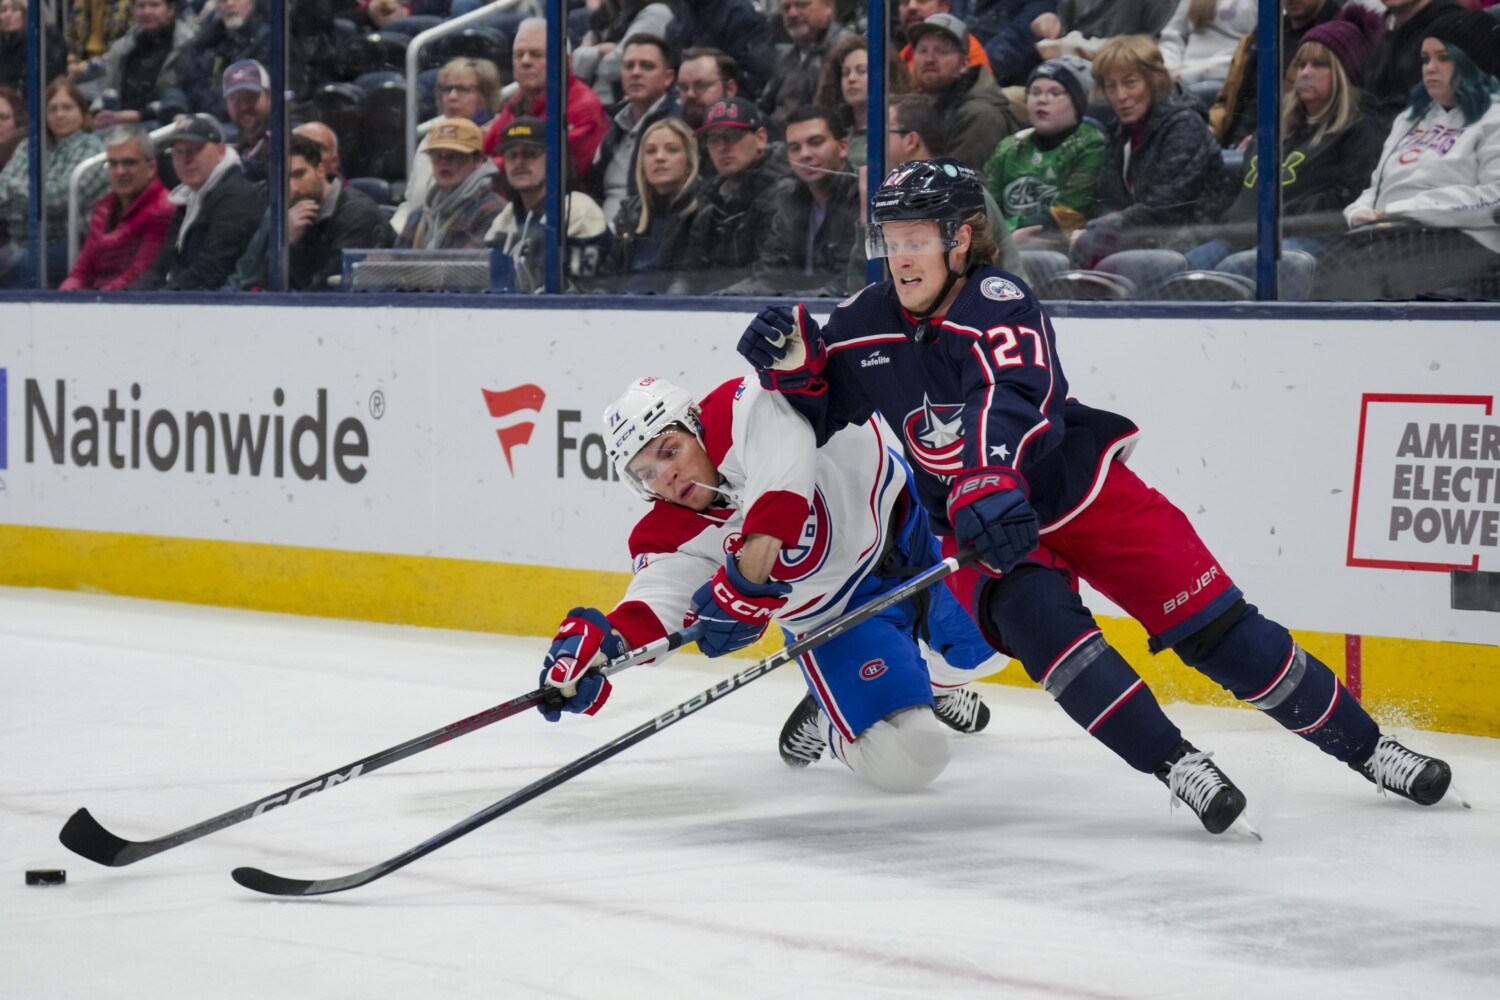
x=1426, y=483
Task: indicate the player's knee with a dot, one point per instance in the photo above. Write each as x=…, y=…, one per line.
x=903, y=752
x=1199, y=646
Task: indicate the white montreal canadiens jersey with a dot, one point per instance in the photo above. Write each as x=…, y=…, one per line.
x=830, y=506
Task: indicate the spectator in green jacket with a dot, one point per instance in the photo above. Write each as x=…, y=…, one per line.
x=1044, y=176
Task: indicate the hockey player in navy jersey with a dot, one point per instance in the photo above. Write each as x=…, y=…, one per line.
x=751, y=522
x=961, y=358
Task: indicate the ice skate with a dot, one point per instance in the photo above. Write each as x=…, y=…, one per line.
x=1195, y=780
x=802, y=740
x=1392, y=767
x=961, y=709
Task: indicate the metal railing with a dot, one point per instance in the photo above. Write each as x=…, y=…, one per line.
x=75, y=179
x=413, y=60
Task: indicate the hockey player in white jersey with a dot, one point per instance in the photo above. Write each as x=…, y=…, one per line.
x=751, y=523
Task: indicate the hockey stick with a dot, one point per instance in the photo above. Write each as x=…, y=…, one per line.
x=277, y=885
x=85, y=836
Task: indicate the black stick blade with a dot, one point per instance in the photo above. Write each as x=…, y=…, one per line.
x=277, y=885
x=83, y=835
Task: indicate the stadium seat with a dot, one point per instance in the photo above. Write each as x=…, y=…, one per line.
x=377, y=188
x=1207, y=286
x=341, y=106
x=385, y=131
x=1042, y=264
x=1297, y=272
x=412, y=25
x=478, y=42
x=1086, y=286
x=1145, y=269
x=373, y=52
x=368, y=82
x=1234, y=168
x=1205, y=92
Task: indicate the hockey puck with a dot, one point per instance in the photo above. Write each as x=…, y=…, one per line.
x=46, y=876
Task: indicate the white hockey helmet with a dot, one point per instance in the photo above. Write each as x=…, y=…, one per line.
x=649, y=407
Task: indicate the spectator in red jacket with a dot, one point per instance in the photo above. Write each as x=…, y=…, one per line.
x=587, y=122
x=129, y=225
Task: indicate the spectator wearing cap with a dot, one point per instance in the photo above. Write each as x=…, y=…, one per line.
x=1397, y=65
x=144, y=63
x=462, y=204
x=1161, y=178
x=915, y=11
x=1426, y=221
x=817, y=210
x=975, y=111
x=236, y=30
x=1331, y=136
x=520, y=228
x=129, y=224
x=587, y=121
x=811, y=26
x=1082, y=27
x=247, y=95
x=1044, y=177
x=1235, y=111
x=652, y=227
x=648, y=72
x=217, y=210
x=736, y=207
x=1199, y=39
x=466, y=88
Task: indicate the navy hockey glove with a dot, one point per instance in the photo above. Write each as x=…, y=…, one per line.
x=990, y=513
x=786, y=348
x=732, y=611
x=583, y=635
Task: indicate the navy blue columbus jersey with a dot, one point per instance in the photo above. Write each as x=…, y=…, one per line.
x=981, y=386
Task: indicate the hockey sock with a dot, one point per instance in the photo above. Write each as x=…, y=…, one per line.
x=1043, y=624
x=1257, y=661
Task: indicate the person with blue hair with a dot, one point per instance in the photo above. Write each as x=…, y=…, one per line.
x=1425, y=225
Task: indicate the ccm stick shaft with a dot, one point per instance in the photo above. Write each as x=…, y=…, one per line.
x=277, y=885
x=85, y=836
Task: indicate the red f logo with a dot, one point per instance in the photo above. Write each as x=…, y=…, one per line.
x=507, y=402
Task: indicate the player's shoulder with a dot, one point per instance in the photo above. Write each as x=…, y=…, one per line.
x=665, y=528
x=873, y=307
x=992, y=295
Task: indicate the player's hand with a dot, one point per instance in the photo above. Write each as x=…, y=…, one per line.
x=732, y=611
x=785, y=345
x=581, y=639
x=990, y=513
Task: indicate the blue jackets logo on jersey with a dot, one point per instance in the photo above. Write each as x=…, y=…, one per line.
x=935, y=437
x=1000, y=289
x=872, y=670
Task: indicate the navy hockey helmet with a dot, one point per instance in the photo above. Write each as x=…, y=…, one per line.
x=944, y=190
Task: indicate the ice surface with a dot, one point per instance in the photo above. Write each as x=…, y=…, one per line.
x=693, y=865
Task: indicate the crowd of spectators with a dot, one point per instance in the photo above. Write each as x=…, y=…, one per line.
x=719, y=147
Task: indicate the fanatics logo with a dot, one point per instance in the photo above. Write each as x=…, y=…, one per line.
x=876, y=357
x=1000, y=289
x=510, y=401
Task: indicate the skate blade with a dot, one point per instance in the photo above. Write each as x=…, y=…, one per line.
x=1242, y=826
x=1456, y=795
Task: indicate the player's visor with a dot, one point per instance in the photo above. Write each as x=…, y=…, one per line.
x=907, y=239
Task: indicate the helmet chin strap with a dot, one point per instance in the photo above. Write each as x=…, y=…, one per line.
x=726, y=497
x=922, y=318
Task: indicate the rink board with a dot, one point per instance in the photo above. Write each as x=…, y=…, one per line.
x=444, y=467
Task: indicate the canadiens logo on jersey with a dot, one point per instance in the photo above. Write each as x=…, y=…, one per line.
x=800, y=561
x=935, y=437
x=872, y=670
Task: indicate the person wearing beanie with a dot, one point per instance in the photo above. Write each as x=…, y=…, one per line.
x=1331, y=137
x=1043, y=177
x=1425, y=224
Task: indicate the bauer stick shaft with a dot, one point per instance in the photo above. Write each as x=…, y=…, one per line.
x=277, y=885
x=85, y=836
